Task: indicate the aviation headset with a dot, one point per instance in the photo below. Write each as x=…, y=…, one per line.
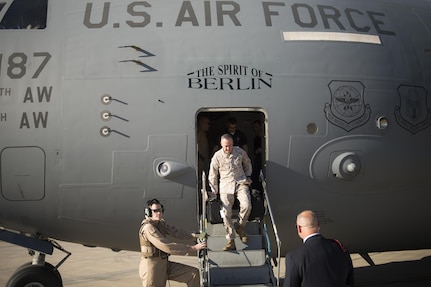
x=148, y=211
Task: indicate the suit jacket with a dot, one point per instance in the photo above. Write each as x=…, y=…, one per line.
x=319, y=262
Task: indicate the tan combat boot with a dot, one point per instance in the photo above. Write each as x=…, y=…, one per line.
x=230, y=246
x=241, y=233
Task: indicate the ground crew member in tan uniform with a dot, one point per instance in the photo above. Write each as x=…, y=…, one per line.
x=233, y=166
x=155, y=268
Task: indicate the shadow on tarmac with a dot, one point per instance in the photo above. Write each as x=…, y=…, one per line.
x=414, y=273
x=406, y=273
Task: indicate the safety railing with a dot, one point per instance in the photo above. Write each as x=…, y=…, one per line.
x=274, y=227
x=203, y=228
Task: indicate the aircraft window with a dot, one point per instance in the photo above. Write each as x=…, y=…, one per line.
x=23, y=14
x=312, y=129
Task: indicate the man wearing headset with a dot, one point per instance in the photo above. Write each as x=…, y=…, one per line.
x=155, y=268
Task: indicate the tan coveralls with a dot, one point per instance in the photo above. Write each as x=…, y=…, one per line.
x=233, y=170
x=155, y=268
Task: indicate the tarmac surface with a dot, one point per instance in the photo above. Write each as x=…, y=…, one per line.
x=94, y=267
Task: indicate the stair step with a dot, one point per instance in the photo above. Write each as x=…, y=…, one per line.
x=218, y=242
x=252, y=228
x=239, y=258
x=248, y=285
x=240, y=276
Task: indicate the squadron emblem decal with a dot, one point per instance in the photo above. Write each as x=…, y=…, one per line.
x=347, y=109
x=413, y=113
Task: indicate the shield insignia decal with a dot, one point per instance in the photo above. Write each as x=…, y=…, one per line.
x=413, y=113
x=347, y=109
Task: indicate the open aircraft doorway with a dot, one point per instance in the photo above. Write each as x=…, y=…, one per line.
x=248, y=127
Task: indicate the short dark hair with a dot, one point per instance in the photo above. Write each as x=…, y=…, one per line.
x=153, y=201
x=232, y=120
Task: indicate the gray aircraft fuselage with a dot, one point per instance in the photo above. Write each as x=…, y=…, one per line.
x=100, y=100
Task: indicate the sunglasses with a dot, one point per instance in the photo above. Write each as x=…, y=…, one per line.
x=157, y=210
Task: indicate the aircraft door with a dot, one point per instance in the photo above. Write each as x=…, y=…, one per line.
x=249, y=131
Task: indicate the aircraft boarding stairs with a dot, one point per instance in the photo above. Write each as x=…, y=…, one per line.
x=249, y=265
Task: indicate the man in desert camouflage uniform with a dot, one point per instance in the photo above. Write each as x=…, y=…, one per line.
x=233, y=166
x=155, y=268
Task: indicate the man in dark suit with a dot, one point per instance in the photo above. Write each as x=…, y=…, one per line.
x=319, y=262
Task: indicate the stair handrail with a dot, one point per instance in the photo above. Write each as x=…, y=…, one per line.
x=202, y=255
x=204, y=200
x=274, y=226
